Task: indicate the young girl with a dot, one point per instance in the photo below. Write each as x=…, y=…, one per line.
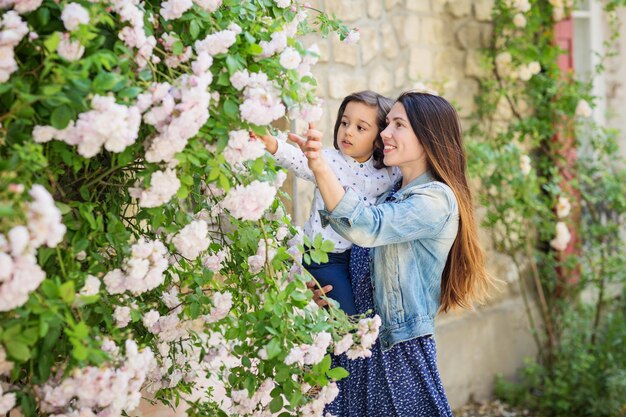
x=357, y=161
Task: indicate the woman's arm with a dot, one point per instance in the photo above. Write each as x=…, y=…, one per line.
x=422, y=215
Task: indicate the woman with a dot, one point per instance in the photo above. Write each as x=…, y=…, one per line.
x=419, y=243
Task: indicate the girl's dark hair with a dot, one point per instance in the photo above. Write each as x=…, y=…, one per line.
x=437, y=127
x=383, y=105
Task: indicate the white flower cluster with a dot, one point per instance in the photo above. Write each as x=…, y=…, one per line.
x=19, y=272
x=168, y=328
x=105, y=391
x=244, y=404
x=283, y=3
x=315, y=408
x=309, y=112
x=222, y=303
x=180, y=113
x=505, y=68
x=21, y=6
x=583, y=109
x=559, y=7
x=519, y=5
x=74, y=15
x=142, y=272
x=7, y=401
x=163, y=186
x=368, y=333
x=208, y=5
x=177, y=362
x=562, y=238
x=310, y=354
x=290, y=58
x=173, y=61
x=214, y=262
x=525, y=165
x=192, y=239
x=174, y=9
x=563, y=207
x=353, y=37
x=262, y=104
x=134, y=36
x=264, y=254
x=249, y=202
x=109, y=124
x=70, y=50
x=218, y=42
x=5, y=366
x=12, y=30
x=241, y=147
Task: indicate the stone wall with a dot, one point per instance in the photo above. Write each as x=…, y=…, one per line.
x=616, y=86
x=433, y=42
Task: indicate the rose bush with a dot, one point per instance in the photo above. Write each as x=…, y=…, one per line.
x=143, y=249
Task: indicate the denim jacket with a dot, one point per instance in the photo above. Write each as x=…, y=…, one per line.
x=411, y=236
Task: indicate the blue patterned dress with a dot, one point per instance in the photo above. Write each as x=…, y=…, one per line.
x=401, y=382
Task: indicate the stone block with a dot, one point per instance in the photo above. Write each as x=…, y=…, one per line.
x=346, y=10
x=374, y=8
x=342, y=82
x=459, y=8
x=390, y=43
x=399, y=78
x=438, y=6
x=321, y=75
x=344, y=53
x=369, y=43
x=432, y=31
x=390, y=4
x=449, y=64
x=411, y=30
x=474, y=64
x=503, y=110
x=418, y=5
x=398, y=24
x=462, y=93
x=471, y=35
x=420, y=64
x=324, y=50
x=381, y=80
x=482, y=10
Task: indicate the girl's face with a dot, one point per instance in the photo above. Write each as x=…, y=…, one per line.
x=402, y=147
x=357, y=131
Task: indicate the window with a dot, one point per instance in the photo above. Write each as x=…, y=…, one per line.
x=588, y=46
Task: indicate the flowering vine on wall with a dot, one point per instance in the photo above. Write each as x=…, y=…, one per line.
x=552, y=190
x=143, y=249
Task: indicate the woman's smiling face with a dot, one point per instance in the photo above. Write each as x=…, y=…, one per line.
x=402, y=147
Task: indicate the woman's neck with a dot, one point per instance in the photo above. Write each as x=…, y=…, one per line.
x=410, y=172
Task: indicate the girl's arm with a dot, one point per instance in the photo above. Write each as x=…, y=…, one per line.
x=288, y=157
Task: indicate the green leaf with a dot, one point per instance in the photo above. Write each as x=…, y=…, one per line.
x=337, y=373
x=17, y=350
x=79, y=352
x=182, y=192
x=52, y=42
x=276, y=404
x=105, y=81
x=328, y=246
x=194, y=29
x=273, y=348
x=177, y=48
x=231, y=109
x=43, y=15
x=255, y=49
x=67, y=291
x=61, y=117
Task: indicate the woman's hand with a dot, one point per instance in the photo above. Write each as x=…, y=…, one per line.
x=270, y=142
x=312, y=148
x=318, y=293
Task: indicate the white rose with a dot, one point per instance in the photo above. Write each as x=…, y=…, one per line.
x=74, y=15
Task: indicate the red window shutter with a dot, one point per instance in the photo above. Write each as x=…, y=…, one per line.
x=564, y=37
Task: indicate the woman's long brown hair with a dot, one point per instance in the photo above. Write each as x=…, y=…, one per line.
x=437, y=127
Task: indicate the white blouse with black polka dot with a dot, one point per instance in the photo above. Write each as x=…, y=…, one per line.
x=364, y=178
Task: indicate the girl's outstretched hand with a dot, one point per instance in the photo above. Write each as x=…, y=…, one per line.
x=270, y=142
x=312, y=147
